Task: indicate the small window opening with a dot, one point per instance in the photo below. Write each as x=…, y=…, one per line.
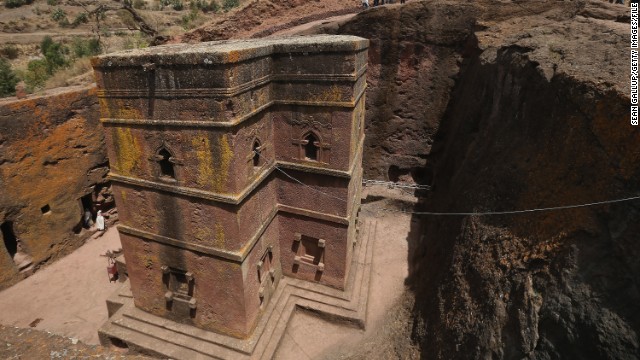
x=256, y=153
x=311, y=147
x=166, y=167
x=45, y=209
x=311, y=252
x=9, y=237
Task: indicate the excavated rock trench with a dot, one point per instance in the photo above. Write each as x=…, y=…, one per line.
x=509, y=106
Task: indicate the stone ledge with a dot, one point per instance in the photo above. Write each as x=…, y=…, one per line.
x=150, y=334
x=234, y=199
x=235, y=256
x=230, y=51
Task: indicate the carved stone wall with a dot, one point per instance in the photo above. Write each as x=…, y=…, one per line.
x=52, y=155
x=234, y=163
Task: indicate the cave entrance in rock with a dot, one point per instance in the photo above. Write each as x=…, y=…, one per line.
x=9, y=237
x=393, y=173
x=88, y=215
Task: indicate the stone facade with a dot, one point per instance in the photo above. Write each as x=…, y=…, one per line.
x=53, y=166
x=219, y=155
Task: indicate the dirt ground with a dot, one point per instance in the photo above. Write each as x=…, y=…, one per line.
x=389, y=271
x=68, y=296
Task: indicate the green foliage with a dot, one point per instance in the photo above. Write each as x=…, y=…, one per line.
x=53, y=2
x=177, y=5
x=36, y=74
x=60, y=16
x=230, y=4
x=16, y=3
x=53, y=54
x=211, y=6
x=188, y=19
x=82, y=18
x=10, y=52
x=39, y=71
x=8, y=79
x=139, y=4
x=85, y=47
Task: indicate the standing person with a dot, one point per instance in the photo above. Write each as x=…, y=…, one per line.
x=100, y=221
x=86, y=219
x=365, y=4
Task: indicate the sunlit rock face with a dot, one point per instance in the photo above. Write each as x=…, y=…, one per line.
x=52, y=156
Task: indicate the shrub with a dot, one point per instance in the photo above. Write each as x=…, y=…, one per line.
x=53, y=54
x=85, y=47
x=58, y=14
x=189, y=18
x=82, y=18
x=36, y=74
x=177, y=5
x=76, y=74
x=8, y=79
x=214, y=6
x=53, y=2
x=139, y=4
x=230, y=4
x=16, y=3
x=10, y=52
x=205, y=6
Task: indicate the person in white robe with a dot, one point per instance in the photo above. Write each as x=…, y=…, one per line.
x=100, y=221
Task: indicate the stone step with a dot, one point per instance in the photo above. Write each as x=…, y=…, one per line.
x=175, y=345
x=150, y=333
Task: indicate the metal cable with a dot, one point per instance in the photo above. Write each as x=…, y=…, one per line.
x=479, y=213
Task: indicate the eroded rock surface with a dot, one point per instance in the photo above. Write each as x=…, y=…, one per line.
x=52, y=154
x=539, y=117
x=511, y=106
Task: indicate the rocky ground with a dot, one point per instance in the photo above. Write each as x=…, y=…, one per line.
x=262, y=18
x=55, y=314
x=21, y=343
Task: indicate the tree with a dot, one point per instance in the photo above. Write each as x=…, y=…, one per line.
x=8, y=79
x=53, y=53
x=97, y=13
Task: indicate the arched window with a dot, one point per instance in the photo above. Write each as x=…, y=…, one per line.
x=166, y=166
x=311, y=147
x=257, y=161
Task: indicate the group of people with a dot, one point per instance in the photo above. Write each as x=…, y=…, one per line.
x=365, y=3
